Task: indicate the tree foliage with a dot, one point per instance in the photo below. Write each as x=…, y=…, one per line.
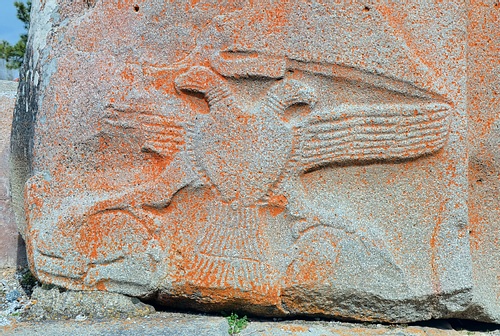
x=14, y=54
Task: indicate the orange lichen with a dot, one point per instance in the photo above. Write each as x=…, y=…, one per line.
x=277, y=204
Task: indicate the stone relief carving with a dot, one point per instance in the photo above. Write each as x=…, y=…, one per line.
x=250, y=154
x=293, y=157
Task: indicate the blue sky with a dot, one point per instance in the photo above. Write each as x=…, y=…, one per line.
x=10, y=26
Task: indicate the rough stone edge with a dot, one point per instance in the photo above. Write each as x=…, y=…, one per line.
x=55, y=304
x=28, y=103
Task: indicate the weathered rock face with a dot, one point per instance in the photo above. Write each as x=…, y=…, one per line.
x=8, y=232
x=282, y=158
x=483, y=99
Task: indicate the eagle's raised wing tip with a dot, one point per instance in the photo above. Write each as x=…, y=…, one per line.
x=365, y=133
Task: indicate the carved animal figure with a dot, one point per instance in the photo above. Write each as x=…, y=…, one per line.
x=249, y=155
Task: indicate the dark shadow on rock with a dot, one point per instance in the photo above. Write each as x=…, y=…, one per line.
x=458, y=324
x=22, y=259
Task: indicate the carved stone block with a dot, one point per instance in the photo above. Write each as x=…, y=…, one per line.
x=280, y=158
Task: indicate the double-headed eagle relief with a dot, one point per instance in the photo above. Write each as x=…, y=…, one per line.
x=251, y=152
x=240, y=154
x=280, y=157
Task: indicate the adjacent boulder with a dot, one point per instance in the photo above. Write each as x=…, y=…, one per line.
x=56, y=304
x=283, y=158
x=9, y=236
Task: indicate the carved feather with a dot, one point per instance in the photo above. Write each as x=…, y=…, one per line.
x=352, y=133
x=163, y=135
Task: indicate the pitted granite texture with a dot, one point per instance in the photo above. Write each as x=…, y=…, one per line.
x=278, y=158
x=483, y=96
x=8, y=230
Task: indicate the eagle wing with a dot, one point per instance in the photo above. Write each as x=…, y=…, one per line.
x=360, y=133
x=161, y=135
x=157, y=134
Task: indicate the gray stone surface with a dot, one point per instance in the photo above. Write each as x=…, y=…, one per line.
x=484, y=159
x=308, y=328
x=174, y=324
x=161, y=324
x=284, y=158
x=9, y=237
x=54, y=304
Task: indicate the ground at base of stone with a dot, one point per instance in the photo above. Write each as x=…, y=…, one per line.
x=16, y=302
x=15, y=295
x=163, y=323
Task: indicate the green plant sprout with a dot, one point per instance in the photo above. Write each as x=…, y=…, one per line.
x=236, y=323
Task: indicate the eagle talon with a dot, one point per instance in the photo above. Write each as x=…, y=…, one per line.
x=307, y=219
